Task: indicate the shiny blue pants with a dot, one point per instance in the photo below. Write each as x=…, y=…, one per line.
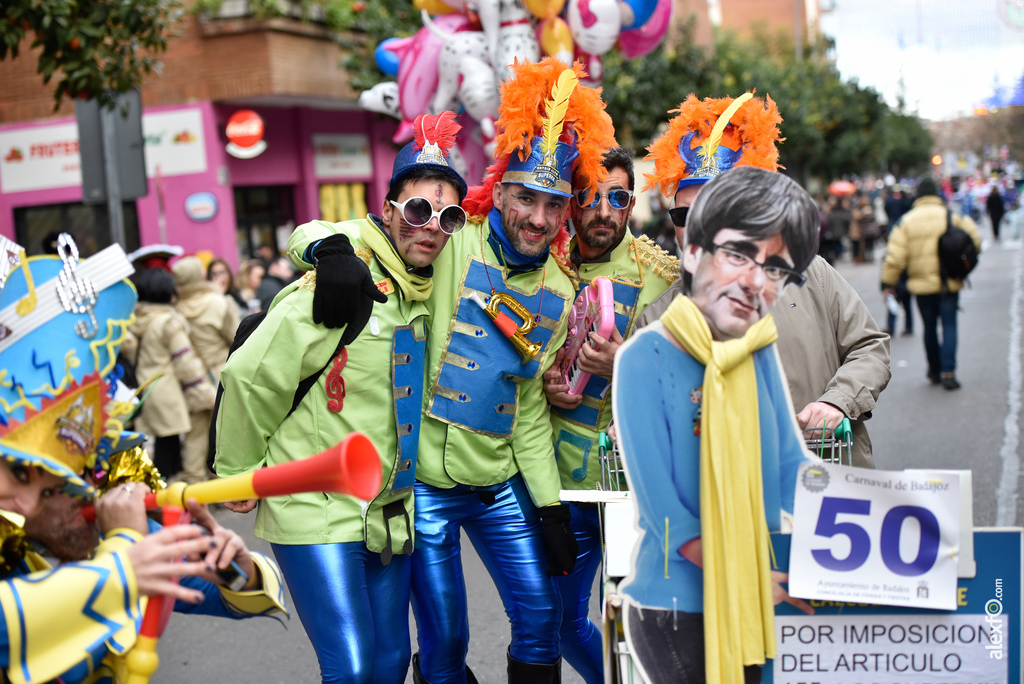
x=579, y=638
x=506, y=534
x=354, y=609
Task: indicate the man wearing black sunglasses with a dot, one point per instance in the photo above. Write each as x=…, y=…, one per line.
x=835, y=356
x=348, y=566
x=640, y=271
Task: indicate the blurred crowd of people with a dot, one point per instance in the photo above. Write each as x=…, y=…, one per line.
x=187, y=314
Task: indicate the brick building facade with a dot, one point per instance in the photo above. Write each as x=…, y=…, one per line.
x=319, y=143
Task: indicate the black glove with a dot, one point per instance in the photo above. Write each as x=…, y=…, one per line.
x=345, y=291
x=559, y=540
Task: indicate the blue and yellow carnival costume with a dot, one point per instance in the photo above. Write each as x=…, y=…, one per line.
x=347, y=564
x=62, y=322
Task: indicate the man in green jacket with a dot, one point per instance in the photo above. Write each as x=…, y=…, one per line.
x=347, y=564
x=487, y=459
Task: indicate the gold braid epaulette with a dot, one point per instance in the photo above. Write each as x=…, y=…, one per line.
x=645, y=252
x=308, y=281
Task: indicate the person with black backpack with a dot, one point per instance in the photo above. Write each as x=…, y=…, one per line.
x=937, y=249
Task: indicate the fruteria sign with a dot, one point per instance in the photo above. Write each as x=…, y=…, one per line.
x=39, y=158
x=44, y=157
x=245, y=135
x=174, y=142
x=979, y=642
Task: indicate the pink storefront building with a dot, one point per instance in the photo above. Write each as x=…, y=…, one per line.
x=320, y=156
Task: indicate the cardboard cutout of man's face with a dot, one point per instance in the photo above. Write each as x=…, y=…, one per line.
x=732, y=292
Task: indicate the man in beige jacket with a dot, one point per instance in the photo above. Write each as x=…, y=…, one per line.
x=914, y=247
x=212, y=319
x=835, y=357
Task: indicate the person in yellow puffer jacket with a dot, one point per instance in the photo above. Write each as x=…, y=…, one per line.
x=914, y=247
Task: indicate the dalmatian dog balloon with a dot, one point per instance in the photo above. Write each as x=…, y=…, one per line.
x=381, y=98
x=457, y=48
x=510, y=34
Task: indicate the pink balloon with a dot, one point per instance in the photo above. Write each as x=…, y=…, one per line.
x=641, y=41
x=417, y=67
x=473, y=154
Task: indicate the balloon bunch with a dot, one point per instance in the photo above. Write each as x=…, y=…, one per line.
x=460, y=56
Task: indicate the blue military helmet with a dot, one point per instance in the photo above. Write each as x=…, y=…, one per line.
x=434, y=137
x=62, y=322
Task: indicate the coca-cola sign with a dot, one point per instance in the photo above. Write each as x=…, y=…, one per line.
x=245, y=133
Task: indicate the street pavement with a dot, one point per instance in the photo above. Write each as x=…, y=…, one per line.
x=916, y=425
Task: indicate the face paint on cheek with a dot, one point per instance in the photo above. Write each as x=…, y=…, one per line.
x=405, y=231
x=513, y=216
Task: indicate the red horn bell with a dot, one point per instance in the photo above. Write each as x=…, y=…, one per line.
x=350, y=467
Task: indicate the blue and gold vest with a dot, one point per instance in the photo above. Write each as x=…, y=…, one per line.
x=476, y=387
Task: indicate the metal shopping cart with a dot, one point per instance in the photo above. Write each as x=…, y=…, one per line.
x=618, y=535
x=833, y=446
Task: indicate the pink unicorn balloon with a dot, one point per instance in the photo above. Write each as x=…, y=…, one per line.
x=417, y=70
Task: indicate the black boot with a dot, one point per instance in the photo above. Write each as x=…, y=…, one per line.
x=418, y=678
x=530, y=673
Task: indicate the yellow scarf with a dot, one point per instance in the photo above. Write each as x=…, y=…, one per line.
x=415, y=287
x=739, y=614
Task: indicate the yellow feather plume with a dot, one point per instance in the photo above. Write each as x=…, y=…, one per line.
x=711, y=144
x=556, y=109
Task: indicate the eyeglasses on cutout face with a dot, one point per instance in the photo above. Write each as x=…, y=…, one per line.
x=617, y=199
x=778, y=275
x=418, y=211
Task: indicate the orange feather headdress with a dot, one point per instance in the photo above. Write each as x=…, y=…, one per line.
x=711, y=136
x=543, y=106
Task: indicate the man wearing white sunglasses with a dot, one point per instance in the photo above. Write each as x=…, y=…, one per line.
x=347, y=565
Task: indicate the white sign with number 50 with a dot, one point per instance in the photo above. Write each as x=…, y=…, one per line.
x=875, y=536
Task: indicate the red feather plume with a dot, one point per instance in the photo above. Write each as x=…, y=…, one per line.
x=439, y=130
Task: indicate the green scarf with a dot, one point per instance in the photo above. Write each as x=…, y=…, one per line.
x=415, y=287
x=739, y=613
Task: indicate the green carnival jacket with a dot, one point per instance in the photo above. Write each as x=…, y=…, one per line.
x=640, y=271
x=486, y=417
x=374, y=386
